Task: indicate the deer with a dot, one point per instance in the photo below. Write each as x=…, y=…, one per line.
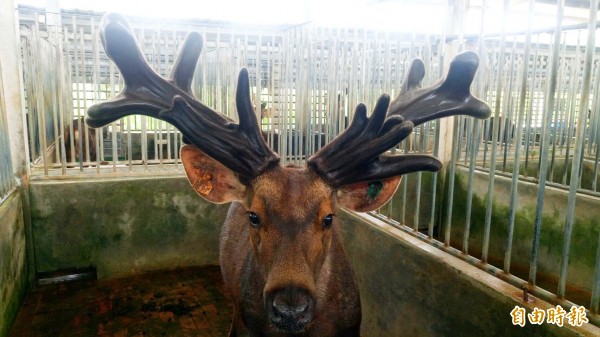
x=281, y=250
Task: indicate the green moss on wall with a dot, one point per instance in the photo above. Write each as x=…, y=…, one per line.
x=13, y=266
x=559, y=172
x=123, y=226
x=583, y=246
x=408, y=290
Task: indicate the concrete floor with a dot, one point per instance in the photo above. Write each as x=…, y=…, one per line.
x=184, y=302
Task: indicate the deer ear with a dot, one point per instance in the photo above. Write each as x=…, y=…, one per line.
x=369, y=195
x=209, y=178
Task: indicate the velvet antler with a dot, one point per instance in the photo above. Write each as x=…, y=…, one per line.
x=240, y=147
x=357, y=154
x=449, y=97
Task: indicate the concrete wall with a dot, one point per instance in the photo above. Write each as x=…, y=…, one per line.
x=13, y=265
x=410, y=288
x=585, y=229
x=123, y=226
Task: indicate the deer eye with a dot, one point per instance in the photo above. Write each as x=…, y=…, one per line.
x=254, y=220
x=328, y=220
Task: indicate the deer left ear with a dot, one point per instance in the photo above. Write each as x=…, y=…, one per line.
x=209, y=178
x=369, y=195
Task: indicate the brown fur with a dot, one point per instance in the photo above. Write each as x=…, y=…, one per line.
x=291, y=248
x=77, y=137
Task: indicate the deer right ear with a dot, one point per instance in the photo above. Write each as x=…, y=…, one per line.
x=368, y=196
x=209, y=178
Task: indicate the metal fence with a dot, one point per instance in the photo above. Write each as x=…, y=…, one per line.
x=7, y=181
x=514, y=199
x=543, y=137
x=305, y=93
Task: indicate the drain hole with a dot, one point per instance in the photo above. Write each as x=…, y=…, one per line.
x=67, y=275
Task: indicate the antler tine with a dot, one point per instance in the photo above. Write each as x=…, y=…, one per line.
x=449, y=97
x=241, y=147
x=145, y=92
x=356, y=154
x=238, y=147
x=187, y=59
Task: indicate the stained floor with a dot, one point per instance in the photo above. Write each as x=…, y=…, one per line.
x=184, y=302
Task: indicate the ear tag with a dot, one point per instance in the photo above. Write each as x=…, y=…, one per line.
x=203, y=184
x=374, y=189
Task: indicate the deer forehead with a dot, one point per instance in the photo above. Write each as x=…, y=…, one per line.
x=292, y=193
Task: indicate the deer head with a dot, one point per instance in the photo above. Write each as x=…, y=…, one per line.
x=289, y=212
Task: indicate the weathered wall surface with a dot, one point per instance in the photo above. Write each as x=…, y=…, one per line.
x=587, y=225
x=410, y=288
x=13, y=265
x=123, y=226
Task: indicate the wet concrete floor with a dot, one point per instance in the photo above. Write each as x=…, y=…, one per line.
x=184, y=302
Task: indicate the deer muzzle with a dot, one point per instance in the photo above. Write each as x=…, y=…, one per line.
x=290, y=309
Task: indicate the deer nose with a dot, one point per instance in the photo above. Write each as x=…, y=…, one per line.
x=290, y=309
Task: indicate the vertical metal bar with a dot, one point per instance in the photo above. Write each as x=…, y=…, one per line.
x=117, y=127
x=77, y=97
x=595, y=301
x=6, y=164
x=288, y=97
x=322, y=91
x=168, y=127
x=505, y=126
x=595, y=126
x=308, y=94
x=417, y=207
x=298, y=95
x=568, y=117
x=434, y=183
x=451, y=182
x=558, y=108
x=529, y=143
x=272, y=91
x=405, y=180
x=487, y=123
x=68, y=45
x=579, y=138
x=548, y=108
x=517, y=160
x=161, y=65
x=52, y=36
x=258, y=98
x=299, y=99
x=96, y=90
x=436, y=150
x=129, y=146
x=39, y=99
x=83, y=130
x=282, y=97
x=156, y=63
x=594, y=142
x=62, y=105
x=470, y=188
x=495, y=135
x=28, y=67
x=474, y=149
x=144, y=119
x=571, y=115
